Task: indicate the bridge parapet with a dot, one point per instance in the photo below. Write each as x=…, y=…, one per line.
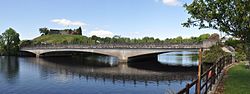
x=108, y=46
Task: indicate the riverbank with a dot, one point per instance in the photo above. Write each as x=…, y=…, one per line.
x=235, y=81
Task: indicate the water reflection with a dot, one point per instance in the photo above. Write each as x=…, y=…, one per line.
x=9, y=68
x=170, y=62
x=88, y=75
x=121, y=76
x=120, y=72
x=107, y=60
x=179, y=58
x=90, y=61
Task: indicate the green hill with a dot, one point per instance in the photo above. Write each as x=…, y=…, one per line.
x=61, y=39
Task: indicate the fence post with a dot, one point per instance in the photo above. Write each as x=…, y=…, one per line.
x=207, y=80
x=187, y=88
x=198, y=89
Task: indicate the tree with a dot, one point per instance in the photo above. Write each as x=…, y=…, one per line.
x=10, y=41
x=203, y=37
x=229, y=16
x=178, y=39
x=79, y=31
x=1, y=45
x=44, y=31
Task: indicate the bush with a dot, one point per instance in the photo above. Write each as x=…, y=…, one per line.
x=215, y=52
x=240, y=56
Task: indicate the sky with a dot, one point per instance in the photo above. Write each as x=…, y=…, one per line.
x=104, y=18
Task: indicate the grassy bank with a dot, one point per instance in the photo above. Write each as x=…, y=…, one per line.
x=238, y=80
x=60, y=39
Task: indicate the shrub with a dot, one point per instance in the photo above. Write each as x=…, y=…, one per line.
x=215, y=52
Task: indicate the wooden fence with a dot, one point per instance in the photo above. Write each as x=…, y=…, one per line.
x=209, y=77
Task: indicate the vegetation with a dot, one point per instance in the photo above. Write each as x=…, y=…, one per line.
x=237, y=81
x=59, y=39
x=240, y=54
x=46, y=31
x=229, y=16
x=1, y=45
x=9, y=42
x=78, y=39
x=215, y=52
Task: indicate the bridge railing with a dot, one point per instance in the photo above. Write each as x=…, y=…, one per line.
x=60, y=46
x=209, y=77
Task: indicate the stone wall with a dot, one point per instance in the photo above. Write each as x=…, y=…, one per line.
x=212, y=40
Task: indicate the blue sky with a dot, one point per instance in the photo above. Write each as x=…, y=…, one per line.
x=128, y=18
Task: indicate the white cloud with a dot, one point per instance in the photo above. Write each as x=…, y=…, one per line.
x=171, y=2
x=66, y=22
x=101, y=33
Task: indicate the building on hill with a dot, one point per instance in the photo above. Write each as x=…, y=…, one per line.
x=46, y=31
x=212, y=40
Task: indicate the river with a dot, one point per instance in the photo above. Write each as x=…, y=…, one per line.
x=96, y=74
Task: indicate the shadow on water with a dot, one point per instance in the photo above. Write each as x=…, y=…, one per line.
x=9, y=68
x=76, y=58
x=90, y=61
x=170, y=62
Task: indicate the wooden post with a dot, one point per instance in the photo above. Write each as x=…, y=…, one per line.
x=187, y=88
x=198, y=89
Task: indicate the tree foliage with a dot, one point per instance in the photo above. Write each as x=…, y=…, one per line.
x=78, y=39
x=44, y=31
x=9, y=42
x=1, y=45
x=215, y=52
x=229, y=16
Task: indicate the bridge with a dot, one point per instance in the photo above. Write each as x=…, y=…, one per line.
x=122, y=52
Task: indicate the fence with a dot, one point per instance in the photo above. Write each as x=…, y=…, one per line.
x=209, y=77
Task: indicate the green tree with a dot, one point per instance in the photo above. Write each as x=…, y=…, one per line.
x=203, y=37
x=229, y=16
x=95, y=38
x=1, y=45
x=178, y=39
x=10, y=41
x=24, y=43
x=44, y=31
x=79, y=31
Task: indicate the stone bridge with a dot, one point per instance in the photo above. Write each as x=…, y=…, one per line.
x=121, y=52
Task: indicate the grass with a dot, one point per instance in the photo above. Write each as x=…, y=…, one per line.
x=59, y=39
x=238, y=80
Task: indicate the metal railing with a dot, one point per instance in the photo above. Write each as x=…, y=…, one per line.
x=209, y=77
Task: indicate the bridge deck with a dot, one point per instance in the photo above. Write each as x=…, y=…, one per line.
x=123, y=52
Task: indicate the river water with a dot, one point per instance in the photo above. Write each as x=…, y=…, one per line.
x=96, y=75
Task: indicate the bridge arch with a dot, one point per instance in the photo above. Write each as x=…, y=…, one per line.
x=26, y=53
x=40, y=52
x=71, y=53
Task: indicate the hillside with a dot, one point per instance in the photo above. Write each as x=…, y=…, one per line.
x=60, y=39
x=79, y=39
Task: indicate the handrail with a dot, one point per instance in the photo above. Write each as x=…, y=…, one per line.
x=210, y=76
